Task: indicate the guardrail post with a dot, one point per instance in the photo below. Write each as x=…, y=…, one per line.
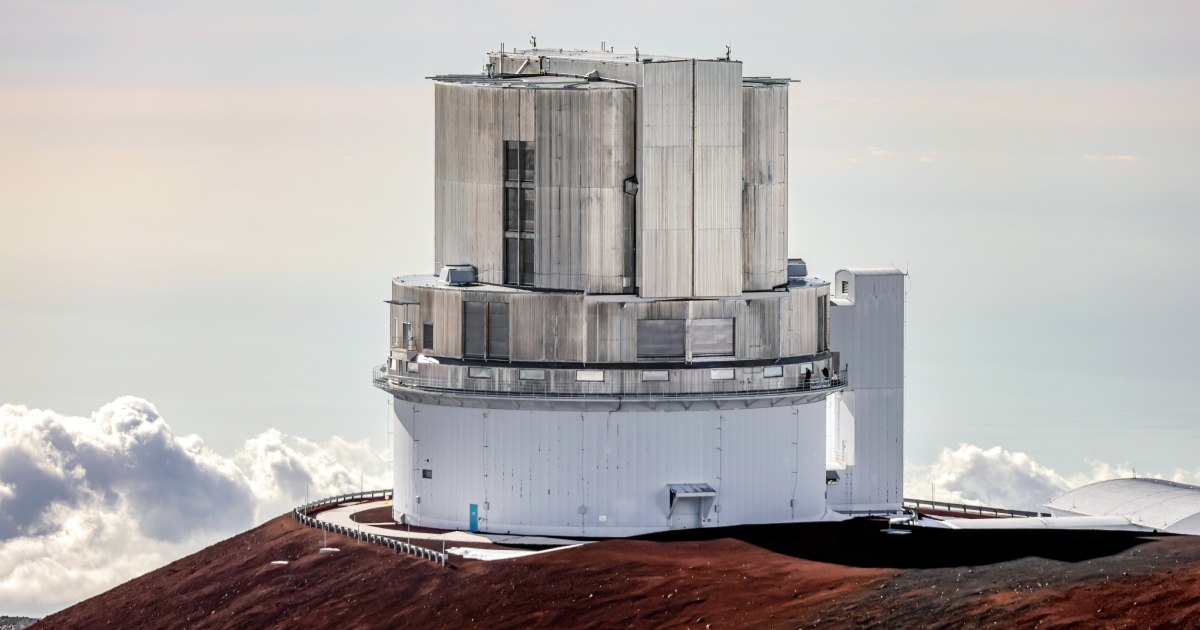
x=300, y=514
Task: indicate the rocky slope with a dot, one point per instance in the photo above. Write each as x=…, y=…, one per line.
x=783, y=576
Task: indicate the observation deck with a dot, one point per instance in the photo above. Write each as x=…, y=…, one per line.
x=599, y=388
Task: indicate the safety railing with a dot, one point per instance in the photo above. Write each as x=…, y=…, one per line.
x=391, y=381
x=969, y=510
x=301, y=515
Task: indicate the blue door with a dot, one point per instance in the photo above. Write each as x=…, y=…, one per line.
x=474, y=517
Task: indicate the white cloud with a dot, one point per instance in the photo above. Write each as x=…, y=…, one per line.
x=878, y=152
x=1009, y=479
x=87, y=503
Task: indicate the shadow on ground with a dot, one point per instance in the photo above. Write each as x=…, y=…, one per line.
x=863, y=542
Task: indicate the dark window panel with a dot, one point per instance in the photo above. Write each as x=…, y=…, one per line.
x=511, y=261
x=660, y=338
x=475, y=329
x=497, y=330
x=527, y=245
x=512, y=161
x=712, y=337
x=427, y=336
x=528, y=159
x=512, y=209
x=528, y=210
x=822, y=324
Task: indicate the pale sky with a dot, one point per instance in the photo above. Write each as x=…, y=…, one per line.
x=202, y=204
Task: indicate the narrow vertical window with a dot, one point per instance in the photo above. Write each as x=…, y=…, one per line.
x=475, y=329
x=520, y=212
x=512, y=258
x=497, y=330
x=512, y=161
x=822, y=324
x=427, y=336
x=528, y=159
x=528, y=210
x=527, y=245
x=512, y=209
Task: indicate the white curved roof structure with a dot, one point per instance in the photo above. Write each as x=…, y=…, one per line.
x=1162, y=505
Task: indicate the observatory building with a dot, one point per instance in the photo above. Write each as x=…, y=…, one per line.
x=613, y=340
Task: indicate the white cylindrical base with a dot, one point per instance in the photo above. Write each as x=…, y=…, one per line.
x=605, y=473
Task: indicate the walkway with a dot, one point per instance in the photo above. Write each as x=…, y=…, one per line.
x=341, y=516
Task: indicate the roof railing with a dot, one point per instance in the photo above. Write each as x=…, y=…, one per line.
x=969, y=510
x=301, y=515
x=393, y=381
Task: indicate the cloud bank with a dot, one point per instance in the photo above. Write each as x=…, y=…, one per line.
x=89, y=502
x=1010, y=479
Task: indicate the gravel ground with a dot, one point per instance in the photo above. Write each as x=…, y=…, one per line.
x=775, y=576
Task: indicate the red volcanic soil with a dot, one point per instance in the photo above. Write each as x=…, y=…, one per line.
x=764, y=577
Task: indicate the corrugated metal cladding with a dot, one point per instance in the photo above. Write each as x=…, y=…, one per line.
x=471, y=124
x=586, y=150
x=584, y=145
x=765, y=195
x=605, y=473
x=664, y=100
x=717, y=181
x=689, y=205
x=552, y=326
x=867, y=329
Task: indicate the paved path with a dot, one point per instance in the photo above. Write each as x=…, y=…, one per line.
x=341, y=516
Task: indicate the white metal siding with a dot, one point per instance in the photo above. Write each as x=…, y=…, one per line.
x=867, y=328
x=534, y=470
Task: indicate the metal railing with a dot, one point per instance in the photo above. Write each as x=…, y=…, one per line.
x=969, y=510
x=385, y=380
x=300, y=514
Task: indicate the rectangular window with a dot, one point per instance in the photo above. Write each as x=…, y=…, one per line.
x=426, y=473
x=485, y=330
x=497, y=330
x=520, y=212
x=528, y=210
x=593, y=376
x=475, y=330
x=512, y=260
x=512, y=160
x=721, y=374
x=822, y=323
x=532, y=375
x=427, y=336
x=528, y=159
x=660, y=338
x=512, y=209
x=412, y=366
x=479, y=372
x=655, y=375
x=712, y=337
x=773, y=371
x=527, y=245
